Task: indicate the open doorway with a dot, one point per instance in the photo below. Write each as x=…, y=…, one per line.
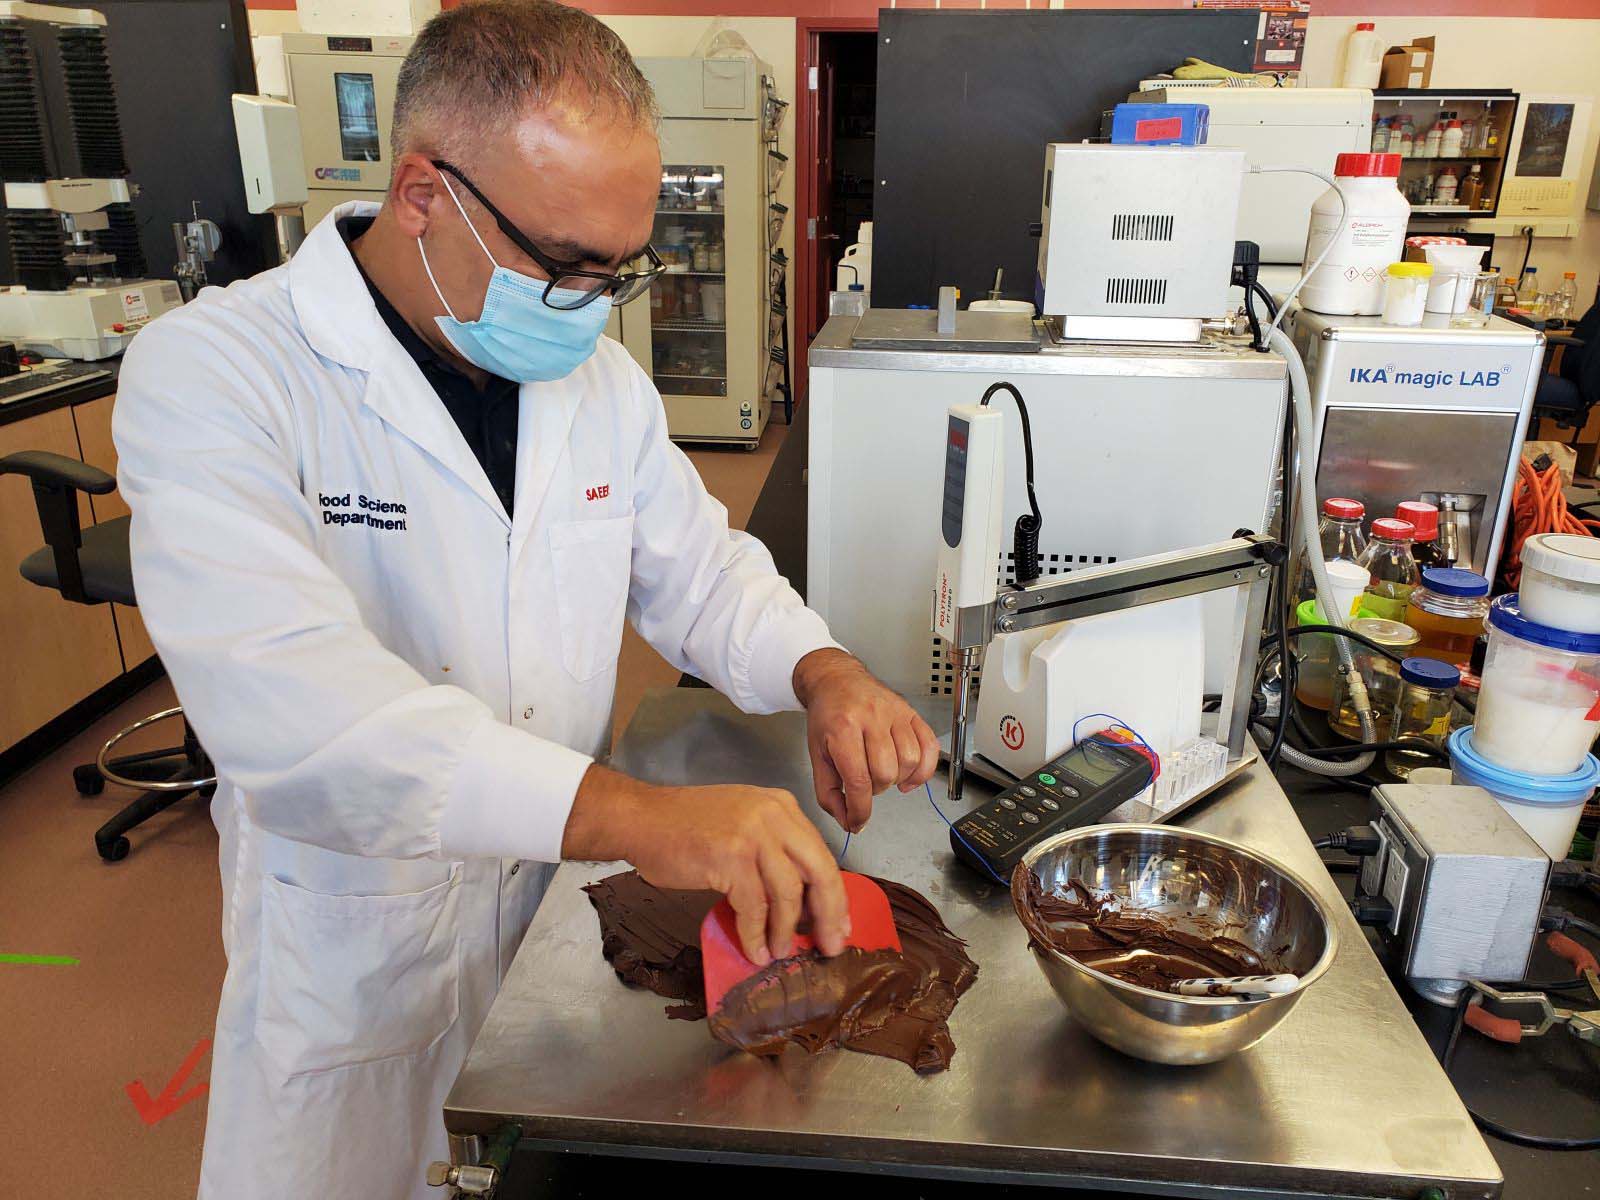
x=838, y=68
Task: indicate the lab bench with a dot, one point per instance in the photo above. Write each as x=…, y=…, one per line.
x=62, y=663
x=1345, y=1098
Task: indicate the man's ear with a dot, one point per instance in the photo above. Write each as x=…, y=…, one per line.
x=413, y=191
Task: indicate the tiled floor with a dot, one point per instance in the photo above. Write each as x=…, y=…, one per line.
x=141, y=997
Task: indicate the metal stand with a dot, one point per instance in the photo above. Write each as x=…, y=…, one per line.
x=164, y=776
x=1245, y=562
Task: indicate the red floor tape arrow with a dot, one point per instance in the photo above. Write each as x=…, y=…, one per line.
x=170, y=1100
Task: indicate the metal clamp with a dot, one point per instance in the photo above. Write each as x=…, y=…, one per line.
x=466, y=1180
x=481, y=1176
x=1583, y=1025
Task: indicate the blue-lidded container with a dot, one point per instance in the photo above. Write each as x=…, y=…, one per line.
x=1453, y=581
x=1430, y=673
x=1547, y=806
x=1539, y=706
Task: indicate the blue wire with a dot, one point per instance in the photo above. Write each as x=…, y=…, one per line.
x=957, y=835
x=1118, y=721
x=846, y=849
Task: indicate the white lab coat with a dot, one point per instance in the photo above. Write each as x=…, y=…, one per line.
x=400, y=700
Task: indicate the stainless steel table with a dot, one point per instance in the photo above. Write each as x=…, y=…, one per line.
x=1343, y=1099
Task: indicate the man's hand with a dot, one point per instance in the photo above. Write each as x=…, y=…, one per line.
x=753, y=845
x=862, y=736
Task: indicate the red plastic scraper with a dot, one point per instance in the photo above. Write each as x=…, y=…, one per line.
x=871, y=928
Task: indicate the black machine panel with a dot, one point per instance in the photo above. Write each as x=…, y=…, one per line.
x=967, y=102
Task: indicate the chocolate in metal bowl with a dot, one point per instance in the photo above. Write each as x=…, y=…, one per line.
x=1197, y=883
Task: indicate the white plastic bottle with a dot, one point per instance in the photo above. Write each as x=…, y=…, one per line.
x=1350, y=282
x=1408, y=140
x=1431, y=143
x=1444, y=187
x=1363, y=57
x=1450, y=140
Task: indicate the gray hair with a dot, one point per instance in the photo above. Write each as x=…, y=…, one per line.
x=475, y=70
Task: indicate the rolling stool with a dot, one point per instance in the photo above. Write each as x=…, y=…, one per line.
x=91, y=566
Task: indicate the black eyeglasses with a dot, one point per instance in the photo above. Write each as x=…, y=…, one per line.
x=581, y=287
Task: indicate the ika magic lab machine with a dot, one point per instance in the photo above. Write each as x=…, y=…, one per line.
x=1435, y=413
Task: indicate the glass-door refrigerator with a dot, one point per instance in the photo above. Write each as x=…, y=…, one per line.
x=702, y=336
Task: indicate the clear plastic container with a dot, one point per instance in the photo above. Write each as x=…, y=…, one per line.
x=1560, y=584
x=1380, y=674
x=1547, y=807
x=1405, y=293
x=1391, y=569
x=1448, y=610
x=1427, y=694
x=1341, y=537
x=1567, y=296
x=1539, y=706
x=1528, y=286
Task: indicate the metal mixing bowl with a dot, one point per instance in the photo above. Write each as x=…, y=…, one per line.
x=1175, y=872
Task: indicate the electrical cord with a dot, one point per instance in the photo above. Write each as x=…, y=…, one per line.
x=1287, y=666
x=1260, y=290
x=1025, y=553
x=1571, y=922
x=1527, y=253
x=1256, y=338
x=1539, y=505
x=1341, y=631
x=1344, y=216
x=956, y=833
x=1489, y=1125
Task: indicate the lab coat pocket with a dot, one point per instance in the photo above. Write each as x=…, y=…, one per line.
x=593, y=569
x=346, y=980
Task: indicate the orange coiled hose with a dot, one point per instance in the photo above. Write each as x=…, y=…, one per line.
x=1539, y=506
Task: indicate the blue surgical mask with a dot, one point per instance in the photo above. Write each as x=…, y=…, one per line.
x=517, y=335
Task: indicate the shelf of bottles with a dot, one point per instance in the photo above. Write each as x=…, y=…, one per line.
x=775, y=383
x=688, y=304
x=1453, y=145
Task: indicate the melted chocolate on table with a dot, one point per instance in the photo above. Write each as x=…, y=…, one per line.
x=1143, y=948
x=875, y=1001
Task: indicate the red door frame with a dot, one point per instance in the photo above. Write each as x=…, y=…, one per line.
x=805, y=154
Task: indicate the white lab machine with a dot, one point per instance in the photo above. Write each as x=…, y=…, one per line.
x=273, y=164
x=1433, y=412
x=389, y=17
x=1130, y=247
x=1279, y=127
x=342, y=85
x=70, y=224
x=705, y=334
x=1140, y=450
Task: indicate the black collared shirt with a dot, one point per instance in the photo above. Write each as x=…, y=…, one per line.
x=487, y=418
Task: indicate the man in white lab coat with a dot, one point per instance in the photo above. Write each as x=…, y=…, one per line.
x=391, y=504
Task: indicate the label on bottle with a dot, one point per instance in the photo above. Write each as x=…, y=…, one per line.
x=1390, y=608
